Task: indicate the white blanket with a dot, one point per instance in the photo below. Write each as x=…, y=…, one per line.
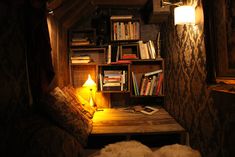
x=137, y=149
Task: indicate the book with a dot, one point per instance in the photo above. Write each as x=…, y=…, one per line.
x=101, y=81
x=135, y=85
x=120, y=17
x=153, y=51
x=149, y=110
x=143, y=53
x=146, y=51
x=158, y=46
x=143, y=85
x=118, y=54
x=80, y=43
x=147, y=88
x=109, y=55
x=122, y=62
x=74, y=61
x=111, y=84
x=159, y=85
x=153, y=72
x=153, y=81
x=129, y=56
x=81, y=57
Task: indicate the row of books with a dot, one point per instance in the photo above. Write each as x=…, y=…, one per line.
x=113, y=80
x=139, y=50
x=81, y=59
x=147, y=50
x=126, y=30
x=151, y=83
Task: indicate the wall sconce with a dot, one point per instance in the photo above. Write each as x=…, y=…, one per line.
x=183, y=14
x=90, y=84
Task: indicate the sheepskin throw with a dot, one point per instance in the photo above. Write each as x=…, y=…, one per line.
x=137, y=149
x=125, y=149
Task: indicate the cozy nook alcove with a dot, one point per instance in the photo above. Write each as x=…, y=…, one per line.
x=205, y=111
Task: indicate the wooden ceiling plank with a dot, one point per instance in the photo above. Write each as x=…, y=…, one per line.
x=120, y=2
x=78, y=12
x=66, y=7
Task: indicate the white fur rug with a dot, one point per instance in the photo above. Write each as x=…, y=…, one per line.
x=125, y=149
x=137, y=149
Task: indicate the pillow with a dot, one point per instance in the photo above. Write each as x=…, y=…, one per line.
x=73, y=101
x=79, y=101
x=67, y=115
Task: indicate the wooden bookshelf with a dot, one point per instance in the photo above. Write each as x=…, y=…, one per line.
x=121, y=55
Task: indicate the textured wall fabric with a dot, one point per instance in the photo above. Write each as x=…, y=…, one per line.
x=14, y=88
x=187, y=96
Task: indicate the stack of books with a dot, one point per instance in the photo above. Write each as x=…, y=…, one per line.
x=80, y=41
x=151, y=83
x=113, y=80
x=81, y=59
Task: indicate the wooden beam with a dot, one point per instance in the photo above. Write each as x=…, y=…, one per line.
x=78, y=12
x=120, y=2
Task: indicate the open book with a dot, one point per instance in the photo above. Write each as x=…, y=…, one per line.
x=149, y=110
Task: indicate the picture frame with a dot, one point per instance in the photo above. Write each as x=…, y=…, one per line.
x=219, y=26
x=129, y=51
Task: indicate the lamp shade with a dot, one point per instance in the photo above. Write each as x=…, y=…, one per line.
x=184, y=15
x=89, y=82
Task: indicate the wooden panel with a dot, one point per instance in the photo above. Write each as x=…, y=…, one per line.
x=120, y=121
x=157, y=14
x=79, y=74
x=121, y=2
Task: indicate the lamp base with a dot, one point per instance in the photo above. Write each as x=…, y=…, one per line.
x=91, y=101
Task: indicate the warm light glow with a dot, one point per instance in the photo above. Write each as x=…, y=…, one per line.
x=184, y=15
x=89, y=82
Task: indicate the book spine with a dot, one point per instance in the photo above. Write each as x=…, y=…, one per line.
x=159, y=85
x=152, y=49
x=153, y=72
x=109, y=55
x=147, y=87
x=143, y=85
x=153, y=81
x=134, y=84
x=101, y=81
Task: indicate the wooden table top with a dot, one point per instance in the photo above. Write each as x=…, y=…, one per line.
x=120, y=121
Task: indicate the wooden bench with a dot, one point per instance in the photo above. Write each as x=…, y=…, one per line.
x=120, y=122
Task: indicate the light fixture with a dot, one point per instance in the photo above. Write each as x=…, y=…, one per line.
x=183, y=14
x=90, y=84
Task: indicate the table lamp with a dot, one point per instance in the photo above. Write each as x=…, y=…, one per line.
x=90, y=84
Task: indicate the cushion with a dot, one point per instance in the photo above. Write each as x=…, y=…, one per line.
x=66, y=115
x=73, y=101
x=79, y=101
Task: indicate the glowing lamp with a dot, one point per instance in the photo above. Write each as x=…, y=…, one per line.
x=184, y=15
x=90, y=84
